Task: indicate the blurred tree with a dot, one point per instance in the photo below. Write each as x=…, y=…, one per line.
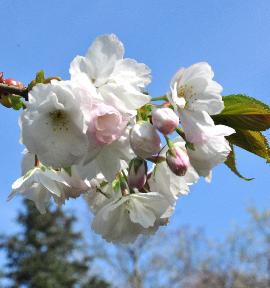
x=186, y=258
x=47, y=253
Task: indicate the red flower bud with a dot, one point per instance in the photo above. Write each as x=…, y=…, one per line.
x=13, y=82
x=137, y=173
x=177, y=160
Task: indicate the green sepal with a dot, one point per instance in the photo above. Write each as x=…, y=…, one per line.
x=17, y=103
x=144, y=113
x=116, y=185
x=40, y=78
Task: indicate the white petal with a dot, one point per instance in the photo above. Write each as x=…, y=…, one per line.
x=138, y=213
x=200, y=91
x=57, y=140
x=109, y=164
x=102, y=56
x=39, y=196
x=208, y=155
x=146, y=208
x=80, y=65
x=28, y=161
x=130, y=71
x=125, y=97
x=196, y=125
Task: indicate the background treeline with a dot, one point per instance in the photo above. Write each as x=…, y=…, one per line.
x=49, y=252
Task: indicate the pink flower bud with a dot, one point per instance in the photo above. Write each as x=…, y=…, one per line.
x=177, y=160
x=165, y=120
x=137, y=173
x=13, y=82
x=145, y=140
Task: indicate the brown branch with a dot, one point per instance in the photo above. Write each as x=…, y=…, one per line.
x=7, y=89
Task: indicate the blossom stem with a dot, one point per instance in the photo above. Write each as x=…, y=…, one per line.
x=180, y=132
x=101, y=192
x=157, y=159
x=159, y=98
x=169, y=143
x=125, y=176
x=7, y=89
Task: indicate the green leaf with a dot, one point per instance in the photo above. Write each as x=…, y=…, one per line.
x=231, y=163
x=252, y=141
x=40, y=76
x=17, y=102
x=243, y=112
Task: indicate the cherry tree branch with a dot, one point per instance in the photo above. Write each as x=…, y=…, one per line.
x=4, y=88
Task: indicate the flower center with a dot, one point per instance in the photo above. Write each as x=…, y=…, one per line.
x=181, y=92
x=59, y=120
x=187, y=92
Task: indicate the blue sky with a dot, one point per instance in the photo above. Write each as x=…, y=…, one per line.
x=233, y=36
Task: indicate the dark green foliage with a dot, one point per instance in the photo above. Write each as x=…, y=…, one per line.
x=47, y=253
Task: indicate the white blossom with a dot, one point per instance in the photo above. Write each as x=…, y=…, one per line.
x=209, y=154
x=119, y=81
x=195, y=96
x=55, y=123
x=39, y=185
x=194, y=89
x=124, y=218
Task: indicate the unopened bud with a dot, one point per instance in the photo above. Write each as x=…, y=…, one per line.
x=177, y=160
x=5, y=98
x=137, y=173
x=145, y=140
x=165, y=120
x=13, y=82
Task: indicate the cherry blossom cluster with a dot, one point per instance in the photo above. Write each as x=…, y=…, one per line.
x=99, y=135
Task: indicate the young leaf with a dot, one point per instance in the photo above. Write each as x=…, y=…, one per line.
x=17, y=102
x=40, y=76
x=231, y=163
x=252, y=141
x=243, y=112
